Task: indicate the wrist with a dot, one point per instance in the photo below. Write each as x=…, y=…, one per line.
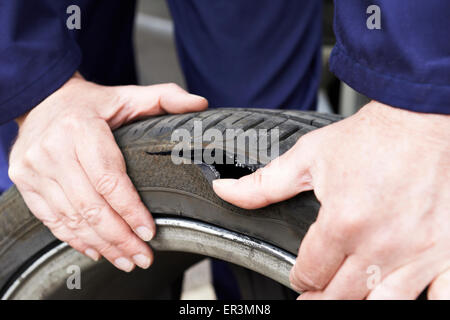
x=433, y=127
x=77, y=78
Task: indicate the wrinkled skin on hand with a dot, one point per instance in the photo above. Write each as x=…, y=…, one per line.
x=72, y=175
x=382, y=177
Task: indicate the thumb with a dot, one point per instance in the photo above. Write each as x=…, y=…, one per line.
x=281, y=179
x=136, y=102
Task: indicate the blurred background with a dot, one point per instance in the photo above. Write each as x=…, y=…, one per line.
x=157, y=63
x=157, y=57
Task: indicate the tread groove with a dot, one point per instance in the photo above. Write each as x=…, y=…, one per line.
x=215, y=122
x=288, y=133
x=292, y=124
x=252, y=125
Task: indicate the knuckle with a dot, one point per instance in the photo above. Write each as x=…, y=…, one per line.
x=75, y=243
x=119, y=96
x=106, y=184
x=293, y=277
x=48, y=145
x=16, y=172
x=93, y=215
x=303, y=281
x=127, y=214
x=106, y=249
x=351, y=224
x=258, y=177
x=172, y=86
x=75, y=222
x=261, y=179
x=53, y=224
x=126, y=243
x=32, y=155
x=61, y=236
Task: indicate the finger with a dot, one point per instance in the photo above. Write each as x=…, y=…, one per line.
x=281, y=179
x=405, y=283
x=349, y=283
x=106, y=223
x=104, y=165
x=440, y=287
x=319, y=258
x=139, y=101
x=42, y=211
x=70, y=227
x=69, y=219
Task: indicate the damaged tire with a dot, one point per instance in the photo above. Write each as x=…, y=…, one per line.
x=181, y=198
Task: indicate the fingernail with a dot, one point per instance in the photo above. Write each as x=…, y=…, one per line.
x=142, y=261
x=91, y=253
x=124, y=264
x=144, y=233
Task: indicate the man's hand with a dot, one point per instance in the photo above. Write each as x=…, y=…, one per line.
x=72, y=174
x=382, y=177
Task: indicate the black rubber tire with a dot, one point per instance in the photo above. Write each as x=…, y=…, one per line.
x=181, y=190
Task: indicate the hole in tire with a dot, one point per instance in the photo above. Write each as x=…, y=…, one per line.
x=230, y=168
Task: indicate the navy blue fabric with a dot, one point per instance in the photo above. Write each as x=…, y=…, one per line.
x=38, y=54
x=224, y=281
x=7, y=133
x=252, y=53
x=404, y=64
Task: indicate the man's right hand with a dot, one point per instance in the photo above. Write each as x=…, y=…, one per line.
x=72, y=175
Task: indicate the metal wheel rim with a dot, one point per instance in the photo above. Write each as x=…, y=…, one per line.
x=174, y=234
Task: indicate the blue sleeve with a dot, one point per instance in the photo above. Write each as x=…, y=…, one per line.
x=37, y=54
x=405, y=63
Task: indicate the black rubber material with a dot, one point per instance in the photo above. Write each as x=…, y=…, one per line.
x=180, y=190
